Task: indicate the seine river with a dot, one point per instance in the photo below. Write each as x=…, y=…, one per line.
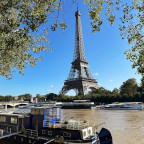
x=126, y=127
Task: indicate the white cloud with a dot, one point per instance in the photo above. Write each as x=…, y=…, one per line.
x=51, y=86
x=49, y=90
x=96, y=74
x=111, y=80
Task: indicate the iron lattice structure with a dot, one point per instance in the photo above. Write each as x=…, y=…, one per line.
x=80, y=78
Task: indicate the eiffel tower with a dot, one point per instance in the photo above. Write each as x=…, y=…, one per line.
x=80, y=78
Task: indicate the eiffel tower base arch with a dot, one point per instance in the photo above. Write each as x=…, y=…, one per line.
x=80, y=87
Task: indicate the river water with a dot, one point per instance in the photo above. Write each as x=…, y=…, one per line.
x=126, y=126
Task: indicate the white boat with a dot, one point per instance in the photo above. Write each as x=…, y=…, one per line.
x=124, y=106
x=78, y=104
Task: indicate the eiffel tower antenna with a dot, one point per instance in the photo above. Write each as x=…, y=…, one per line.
x=80, y=78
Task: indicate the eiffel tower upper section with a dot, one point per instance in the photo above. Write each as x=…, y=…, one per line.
x=79, y=54
x=80, y=78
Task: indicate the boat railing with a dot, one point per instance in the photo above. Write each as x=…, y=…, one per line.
x=70, y=126
x=8, y=130
x=31, y=133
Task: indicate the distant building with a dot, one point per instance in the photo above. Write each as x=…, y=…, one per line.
x=31, y=100
x=22, y=99
x=15, y=98
x=36, y=100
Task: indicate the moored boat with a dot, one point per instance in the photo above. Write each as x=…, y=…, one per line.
x=42, y=125
x=78, y=104
x=124, y=106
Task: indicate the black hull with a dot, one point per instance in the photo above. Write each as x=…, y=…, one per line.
x=17, y=139
x=105, y=136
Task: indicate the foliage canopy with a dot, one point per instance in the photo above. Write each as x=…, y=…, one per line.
x=21, y=42
x=129, y=87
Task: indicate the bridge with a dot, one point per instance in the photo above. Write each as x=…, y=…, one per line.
x=13, y=104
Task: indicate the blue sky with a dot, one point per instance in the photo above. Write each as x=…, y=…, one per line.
x=104, y=52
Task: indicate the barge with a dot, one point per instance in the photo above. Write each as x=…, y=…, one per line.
x=78, y=104
x=43, y=125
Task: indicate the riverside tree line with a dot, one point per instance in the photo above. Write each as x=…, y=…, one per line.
x=129, y=91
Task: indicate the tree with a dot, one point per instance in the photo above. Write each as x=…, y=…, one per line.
x=141, y=87
x=1, y=98
x=51, y=96
x=40, y=97
x=131, y=27
x=142, y=81
x=129, y=87
x=8, y=98
x=115, y=91
x=142, y=97
x=137, y=96
x=25, y=97
x=21, y=42
x=100, y=91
